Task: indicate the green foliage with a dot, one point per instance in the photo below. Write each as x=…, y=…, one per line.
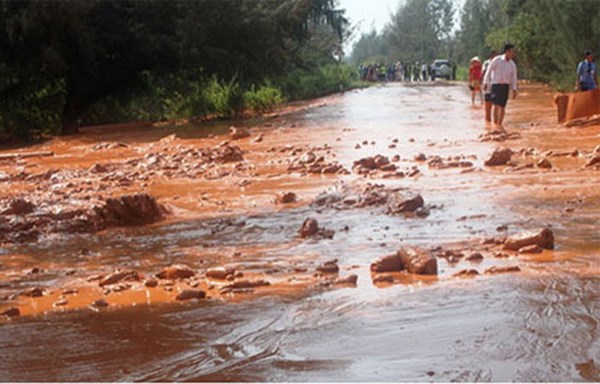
x=300, y=84
x=123, y=59
x=223, y=98
x=462, y=73
x=419, y=30
x=264, y=99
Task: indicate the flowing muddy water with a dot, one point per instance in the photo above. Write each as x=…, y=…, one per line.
x=541, y=323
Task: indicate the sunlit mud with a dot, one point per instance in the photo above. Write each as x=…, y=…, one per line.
x=504, y=315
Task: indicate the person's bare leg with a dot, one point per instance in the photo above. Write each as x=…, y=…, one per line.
x=500, y=115
x=488, y=111
x=495, y=113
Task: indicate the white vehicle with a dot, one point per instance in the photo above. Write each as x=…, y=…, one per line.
x=441, y=68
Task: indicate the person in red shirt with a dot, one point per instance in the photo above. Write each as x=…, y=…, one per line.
x=475, y=79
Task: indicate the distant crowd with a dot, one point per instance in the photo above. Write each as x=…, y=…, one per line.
x=417, y=71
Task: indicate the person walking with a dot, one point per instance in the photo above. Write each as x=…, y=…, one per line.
x=475, y=79
x=502, y=76
x=488, y=90
x=586, y=73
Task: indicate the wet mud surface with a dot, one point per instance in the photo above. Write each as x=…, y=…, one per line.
x=380, y=235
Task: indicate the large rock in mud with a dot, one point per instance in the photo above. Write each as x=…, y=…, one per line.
x=236, y=133
x=129, y=210
x=398, y=204
x=500, y=156
x=367, y=164
x=177, y=271
x=418, y=261
x=18, y=207
x=347, y=280
x=11, y=312
x=328, y=267
x=309, y=228
x=220, y=273
x=189, y=294
x=543, y=237
x=594, y=160
x=119, y=276
x=389, y=263
x=413, y=260
x=227, y=154
x=286, y=198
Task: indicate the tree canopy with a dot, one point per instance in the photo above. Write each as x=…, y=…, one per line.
x=549, y=35
x=60, y=57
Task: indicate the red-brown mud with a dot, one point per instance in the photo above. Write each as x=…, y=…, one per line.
x=248, y=257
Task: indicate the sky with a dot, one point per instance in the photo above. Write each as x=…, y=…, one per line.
x=366, y=14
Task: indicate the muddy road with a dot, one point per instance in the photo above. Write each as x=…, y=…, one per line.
x=100, y=296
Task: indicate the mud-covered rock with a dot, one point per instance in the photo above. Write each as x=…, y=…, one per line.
x=371, y=163
x=220, y=273
x=499, y=134
x=244, y=284
x=189, y=294
x=500, y=156
x=98, y=304
x=378, y=279
x=466, y=272
x=399, y=204
x=236, y=133
x=118, y=277
x=531, y=249
x=286, y=198
x=178, y=271
x=543, y=237
x=60, y=303
x=310, y=227
x=11, y=312
x=108, y=146
x=258, y=139
x=227, y=154
x=18, y=207
x=594, y=161
x=34, y=292
x=129, y=210
x=474, y=257
x=151, y=283
x=328, y=267
x=508, y=269
x=544, y=163
x=389, y=263
x=347, y=280
x=418, y=261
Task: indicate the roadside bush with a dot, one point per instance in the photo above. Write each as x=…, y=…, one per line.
x=264, y=99
x=34, y=113
x=304, y=84
x=223, y=98
x=462, y=73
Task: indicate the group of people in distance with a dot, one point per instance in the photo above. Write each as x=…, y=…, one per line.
x=497, y=76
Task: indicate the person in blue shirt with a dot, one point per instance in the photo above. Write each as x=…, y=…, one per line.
x=586, y=73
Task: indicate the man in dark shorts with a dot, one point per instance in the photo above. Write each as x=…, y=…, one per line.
x=502, y=76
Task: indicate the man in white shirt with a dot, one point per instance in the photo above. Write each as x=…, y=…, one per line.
x=502, y=76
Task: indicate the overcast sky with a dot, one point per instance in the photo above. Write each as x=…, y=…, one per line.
x=366, y=14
